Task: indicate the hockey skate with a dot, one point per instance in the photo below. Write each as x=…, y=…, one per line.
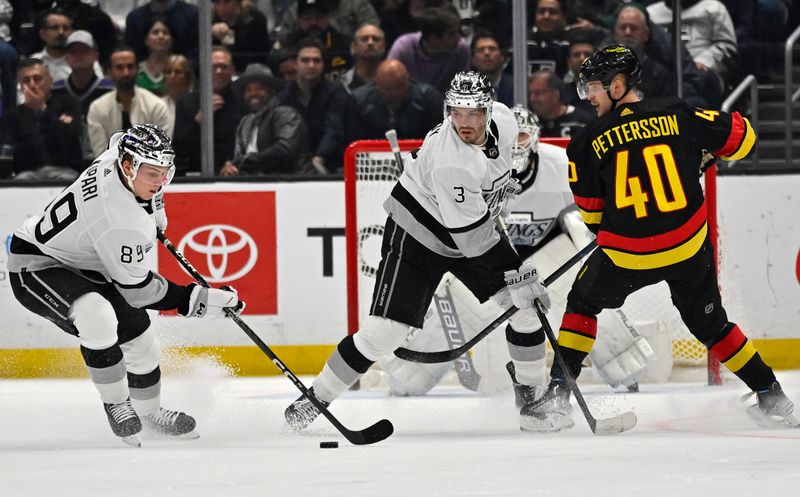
x=523, y=394
x=551, y=412
x=173, y=424
x=124, y=421
x=302, y=412
x=772, y=409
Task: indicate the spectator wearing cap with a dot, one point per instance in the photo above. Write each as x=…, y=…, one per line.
x=55, y=28
x=437, y=52
x=313, y=21
x=345, y=16
x=368, y=49
x=242, y=29
x=228, y=108
x=271, y=138
x=46, y=137
x=180, y=16
x=83, y=83
x=126, y=105
x=323, y=104
x=89, y=16
x=395, y=101
x=488, y=59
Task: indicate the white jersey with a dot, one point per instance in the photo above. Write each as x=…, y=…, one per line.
x=450, y=191
x=98, y=228
x=535, y=212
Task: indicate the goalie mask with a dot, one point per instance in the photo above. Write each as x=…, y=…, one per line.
x=597, y=71
x=527, y=142
x=147, y=144
x=469, y=89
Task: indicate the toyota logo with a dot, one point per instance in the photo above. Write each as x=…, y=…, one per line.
x=223, y=241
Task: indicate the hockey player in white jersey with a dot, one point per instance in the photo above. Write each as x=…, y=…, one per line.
x=442, y=215
x=544, y=226
x=81, y=264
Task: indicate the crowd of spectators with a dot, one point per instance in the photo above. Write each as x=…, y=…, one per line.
x=295, y=81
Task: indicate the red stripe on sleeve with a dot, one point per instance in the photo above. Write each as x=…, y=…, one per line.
x=738, y=129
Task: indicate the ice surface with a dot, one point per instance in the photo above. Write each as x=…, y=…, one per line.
x=691, y=440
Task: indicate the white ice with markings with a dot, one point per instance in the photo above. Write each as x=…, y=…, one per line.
x=691, y=440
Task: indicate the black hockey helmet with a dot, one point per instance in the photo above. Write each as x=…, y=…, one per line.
x=606, y=63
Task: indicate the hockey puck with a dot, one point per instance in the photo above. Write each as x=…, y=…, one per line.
x=329, y=445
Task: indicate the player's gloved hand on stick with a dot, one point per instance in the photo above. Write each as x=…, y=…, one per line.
x=524, y=286
x=212, y=302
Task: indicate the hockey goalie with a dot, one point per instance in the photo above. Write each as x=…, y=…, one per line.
x=545, y=226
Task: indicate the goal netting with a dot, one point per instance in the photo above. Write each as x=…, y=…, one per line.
x=371, y=172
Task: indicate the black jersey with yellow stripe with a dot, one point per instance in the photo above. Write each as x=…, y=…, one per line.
x=634, y=174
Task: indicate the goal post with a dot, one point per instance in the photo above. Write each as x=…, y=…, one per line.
x=371, y=171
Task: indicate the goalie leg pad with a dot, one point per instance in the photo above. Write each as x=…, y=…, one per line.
x=620, y=354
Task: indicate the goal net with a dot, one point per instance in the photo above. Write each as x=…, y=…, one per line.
x=370, y=174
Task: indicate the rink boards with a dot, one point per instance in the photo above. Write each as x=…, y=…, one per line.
x=282, y=246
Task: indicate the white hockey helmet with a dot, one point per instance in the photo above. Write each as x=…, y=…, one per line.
x=527, y=141
x=148, y=144
x=469, y=89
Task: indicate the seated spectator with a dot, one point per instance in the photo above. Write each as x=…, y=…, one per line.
x=159, y=48
x=555, y=118
x=82, y=82
x=242, y=29
x=435, y=53
x=547, y=42
x=707, y=29
x=55, y=28
x=283, y=62
x=399, y=17
x=582, y=44
x=228, y=108
x=313, y=21
x=323, y=105
x=653, y=45
x=271, y=138
x=368, y=49
x=180, y=16
x=395, y=101
x=46, y=138
x=9, y=59
x=126, y=105
x=488, y=59
x=345, y=15
x=89, y=16
x=178, y=81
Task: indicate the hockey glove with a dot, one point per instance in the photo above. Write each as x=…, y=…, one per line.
x=212, y=302
x=524, y=286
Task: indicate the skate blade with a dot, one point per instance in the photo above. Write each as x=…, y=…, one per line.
x=772, y=422
x=617, y=424
x=132, y=440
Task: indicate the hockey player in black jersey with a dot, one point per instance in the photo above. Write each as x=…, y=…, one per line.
x=634, y=174
x=442, y=215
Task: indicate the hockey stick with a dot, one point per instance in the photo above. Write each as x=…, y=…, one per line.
x=391, y=135
x=609, y=426
x=449, y=355
x=372, y=434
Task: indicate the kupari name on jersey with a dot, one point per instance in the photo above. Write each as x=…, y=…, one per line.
x=89, y=183
x=641, y=129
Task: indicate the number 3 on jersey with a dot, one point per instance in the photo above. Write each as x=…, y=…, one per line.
x=628, y=189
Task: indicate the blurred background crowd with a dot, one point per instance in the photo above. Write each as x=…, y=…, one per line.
x=295, y=81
